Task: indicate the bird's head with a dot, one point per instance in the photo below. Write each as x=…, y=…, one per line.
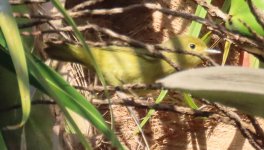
x=190, y=44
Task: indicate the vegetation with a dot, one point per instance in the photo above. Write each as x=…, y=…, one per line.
x=32, y=92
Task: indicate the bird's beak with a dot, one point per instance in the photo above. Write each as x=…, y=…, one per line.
x=212, y=51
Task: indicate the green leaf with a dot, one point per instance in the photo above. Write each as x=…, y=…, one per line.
x=87, y=51
x=226, y=6
x=226, y=52
x=194, y=30
x=2, y=39
x=39, y=128
x=15, y=46
x=240, y=10
x=196, y=27
x=239, y=87
x=189, y=100
x=80, y=37
x=161, y=96
x=47, y=80
x=28, y=40
x=2, y=142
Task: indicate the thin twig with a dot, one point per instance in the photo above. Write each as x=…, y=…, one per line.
x=35, y=102
x=236, y=38
x=258, y=13
x=240, y=125
x=31, y=24
x=20, y=2
x=124, y=87
x=123, y=96
x=119, y=10
x=85, y=4
x=140, y=104
x=213, y=10
x=258, y=130
x=252, y=32
x=152, y=49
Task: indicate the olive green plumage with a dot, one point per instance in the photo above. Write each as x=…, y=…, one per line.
x=122, y=65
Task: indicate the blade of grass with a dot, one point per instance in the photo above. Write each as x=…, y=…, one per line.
x=2, y=142
x=226, y=52
x=161, y=96
x=254, y=61
x=206, y=38
x=23, y=142
x=196, y=27
x=53, y=87
x=194, y=30
x=80, y=37
x=77, y=130
x=15, y=46
x=51, y=83
x=225, y=8
x=137, y=123
x=189, y=100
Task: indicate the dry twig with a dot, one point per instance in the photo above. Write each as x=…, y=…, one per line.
x=140, y=104
x=220, y=30
x=20, y=2
x=241, y=126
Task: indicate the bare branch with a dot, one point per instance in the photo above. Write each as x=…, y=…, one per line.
x=140, y=104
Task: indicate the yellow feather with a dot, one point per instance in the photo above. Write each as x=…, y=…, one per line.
x=121, y=65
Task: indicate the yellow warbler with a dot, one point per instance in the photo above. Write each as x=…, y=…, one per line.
x=122, y=65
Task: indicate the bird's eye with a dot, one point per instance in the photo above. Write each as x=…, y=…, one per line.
x=192, y=46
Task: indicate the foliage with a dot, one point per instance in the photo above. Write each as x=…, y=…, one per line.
x=25, y=77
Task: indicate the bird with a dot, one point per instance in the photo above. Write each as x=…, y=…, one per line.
x=126, y=65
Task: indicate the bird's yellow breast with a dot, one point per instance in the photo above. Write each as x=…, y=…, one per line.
x=121, y=65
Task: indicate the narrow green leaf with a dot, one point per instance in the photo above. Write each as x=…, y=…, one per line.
x=196, y=27
x=80, y=37
x=226, y=52
x=254, y=61
x=47, y=80
x=15, y=46
x=226, y=6
x=161, y=96
x=70, y=120
x=189, y=100
x=52, y=85
x=2, y=39
x=194, y=30
x=207, y=37
x=2, y=142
